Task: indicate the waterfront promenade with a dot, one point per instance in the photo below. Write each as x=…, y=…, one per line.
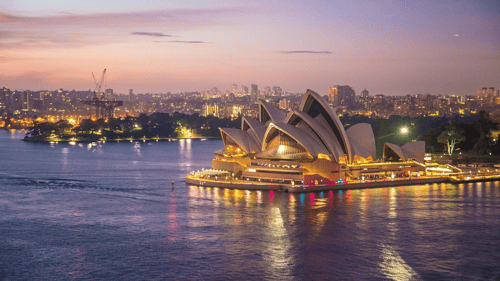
x=247, y=185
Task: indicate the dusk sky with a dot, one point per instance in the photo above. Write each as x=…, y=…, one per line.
x=391, y=47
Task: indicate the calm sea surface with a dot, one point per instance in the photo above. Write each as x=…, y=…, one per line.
x=109, y=212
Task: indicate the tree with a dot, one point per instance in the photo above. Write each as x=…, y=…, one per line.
x=483, y=145
x=451, y=136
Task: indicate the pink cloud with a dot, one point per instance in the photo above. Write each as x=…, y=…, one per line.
x=73, y=30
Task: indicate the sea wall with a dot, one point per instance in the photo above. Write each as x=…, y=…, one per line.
x=234, y=185
x=312, y=188
x=365, y=185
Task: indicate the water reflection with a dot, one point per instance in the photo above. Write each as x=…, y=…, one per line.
x=349, y=219
x=277, y=246
x=185, y=149
x=392, y=266
x=172, y=218
x=65, y=152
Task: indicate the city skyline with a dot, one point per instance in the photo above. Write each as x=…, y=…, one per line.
x=391, y=48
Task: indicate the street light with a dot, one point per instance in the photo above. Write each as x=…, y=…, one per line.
x=404, y=130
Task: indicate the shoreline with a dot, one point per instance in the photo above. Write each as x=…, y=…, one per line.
x=115, y=140
x=242, y=185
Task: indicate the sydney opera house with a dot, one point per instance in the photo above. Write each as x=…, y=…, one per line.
x=309, y=146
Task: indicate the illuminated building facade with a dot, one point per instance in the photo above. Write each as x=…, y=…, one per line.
x=309, y=146
x=341, y=95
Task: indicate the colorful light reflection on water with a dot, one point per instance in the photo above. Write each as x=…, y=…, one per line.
x=110, y=213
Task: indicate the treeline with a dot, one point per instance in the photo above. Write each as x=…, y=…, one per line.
x=472, y=133
x=475, y=129
x=156, y=125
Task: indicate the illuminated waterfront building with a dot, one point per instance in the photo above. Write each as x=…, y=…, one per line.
x=309, y=146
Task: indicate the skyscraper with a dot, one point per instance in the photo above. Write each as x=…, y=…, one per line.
x=109, y=93
x=365, y=96
x=5, y=98
x=131, y=96
x=244, y=90
x=234, y=89
x=27, y=99
x=277, y=91
x=487, y=95
x=341, y=95
x=267, y=90
x=333, y=96
x=255, y=93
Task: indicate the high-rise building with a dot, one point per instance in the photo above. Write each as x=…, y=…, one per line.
x=131, y=96
x=487, y=95
x=379, y=99
x=365, y=94
x=27, y=100
x=485, y=92
x=234, y=89
x=284, y=104
x=255, y=92
x=333, y=96
x=209, y=109
x=341, y=95
x=5, y=98
x=108, y=93
x=267, y=90
x=244, y=90
x=277, y=91
x=365, y=98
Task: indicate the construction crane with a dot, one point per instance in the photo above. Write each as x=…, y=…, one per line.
x=98, y=86
x=104, y=107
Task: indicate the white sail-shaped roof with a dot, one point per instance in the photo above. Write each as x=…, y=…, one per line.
x=294, y=117
x=414, y=150
x=395, y=148
x=242, y=138
x=254, y=128
x=267, y=112
x=320, y=119
x=311, y=144
x=314, y=105
x=362, y=140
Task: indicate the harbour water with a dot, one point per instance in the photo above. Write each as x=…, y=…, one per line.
x=109, y=212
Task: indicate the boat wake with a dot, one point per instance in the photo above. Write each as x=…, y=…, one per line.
x=56, y=183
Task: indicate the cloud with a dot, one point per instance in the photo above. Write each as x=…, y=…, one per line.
x=7, y=18
x=153, y=34
x=80, y=30
x=183, y=41
x=188, y=42
x=5, y=34
x=184, y=16
x=30, y=80
x=304, y=52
